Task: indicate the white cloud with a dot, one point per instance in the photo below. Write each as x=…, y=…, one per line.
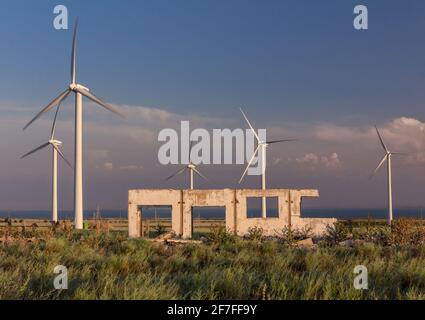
x=313, y=161
x=332, y=162
x=108, y=165
x=402, y=134
x=112, y=141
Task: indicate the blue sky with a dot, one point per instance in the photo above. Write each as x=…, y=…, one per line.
x=293, y=65
x=298, y=59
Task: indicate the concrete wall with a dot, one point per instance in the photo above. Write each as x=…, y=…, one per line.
x=206, y=198
x=235, y=203
x=154, y=197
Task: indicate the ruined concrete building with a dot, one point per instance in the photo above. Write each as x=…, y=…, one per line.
x=234, y=201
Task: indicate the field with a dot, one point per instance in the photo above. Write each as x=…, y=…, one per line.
x=149, y=225
x=105, y=264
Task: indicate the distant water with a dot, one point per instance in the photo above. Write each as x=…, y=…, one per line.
x=44, y=214
x=211, y=213
x=364, y=213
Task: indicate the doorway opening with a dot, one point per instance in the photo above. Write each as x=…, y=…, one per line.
x=155, y=220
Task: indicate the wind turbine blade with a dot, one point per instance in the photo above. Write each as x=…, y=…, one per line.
x=249, y=163
x=35, y=150
x=200, y=174
x=277, y=141
x=92, y=97
x=380, y=139
x=74, y=53
x=52, y=134
x=249, y=124
x=62, y=156
x=379, y=165
x=177, y=173
x=55, y=102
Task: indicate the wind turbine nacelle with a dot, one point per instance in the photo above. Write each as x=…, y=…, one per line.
x=55, y=142
x=73, y=86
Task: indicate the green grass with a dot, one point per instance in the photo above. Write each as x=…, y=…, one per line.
x=110, y=266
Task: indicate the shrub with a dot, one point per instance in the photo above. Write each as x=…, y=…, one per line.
x=376, y=234
x=402, y=232
x=418, y=237
x=336, y=233
x=158, y=230
x=407, y=232
x=220, y=235
x=290, y=236
x=255, y=234
x=304, y=233
x=286, y=236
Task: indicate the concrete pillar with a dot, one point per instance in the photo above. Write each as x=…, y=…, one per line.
x=177, y=219
x=284, y=206
x=134, y=218
x=230, y=202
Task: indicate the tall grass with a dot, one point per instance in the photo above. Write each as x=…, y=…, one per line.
x=110, y=266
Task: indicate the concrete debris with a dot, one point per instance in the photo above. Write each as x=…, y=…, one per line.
x=306, y=243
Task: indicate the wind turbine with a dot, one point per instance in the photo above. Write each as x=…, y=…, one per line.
x=79, y=91
x=191, y=168
x=387, y=157
x=261, y=146
x=56, y=150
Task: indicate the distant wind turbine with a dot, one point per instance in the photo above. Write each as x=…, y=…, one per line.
x=387, y=157
x=191, y=168
x=79, y=91
x=261, y=145
x=56, y=150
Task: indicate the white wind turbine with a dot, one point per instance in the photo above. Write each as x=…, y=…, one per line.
x=56, y=150
x=191, y=168
x=261, y=146
x=387, y=157
x=79, y=91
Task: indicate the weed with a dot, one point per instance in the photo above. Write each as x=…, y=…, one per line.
x=255, y=234
x=220, y=235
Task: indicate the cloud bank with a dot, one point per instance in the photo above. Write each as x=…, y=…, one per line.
x=122, y=154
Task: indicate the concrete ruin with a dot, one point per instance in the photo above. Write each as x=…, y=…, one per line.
x=235, y=203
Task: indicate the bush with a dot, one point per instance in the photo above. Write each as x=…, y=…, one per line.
x=407, y=232
x=220, y=235
x=402, y=232
x=255, y=234
x=379, y=235
x=158, y=230
x=290, y=236
x=336, y=233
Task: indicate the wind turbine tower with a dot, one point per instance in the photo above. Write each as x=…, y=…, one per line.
x=387, y=157
x=191, y=167
x=55, y=151
x=79, y=91
x=261, y=146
